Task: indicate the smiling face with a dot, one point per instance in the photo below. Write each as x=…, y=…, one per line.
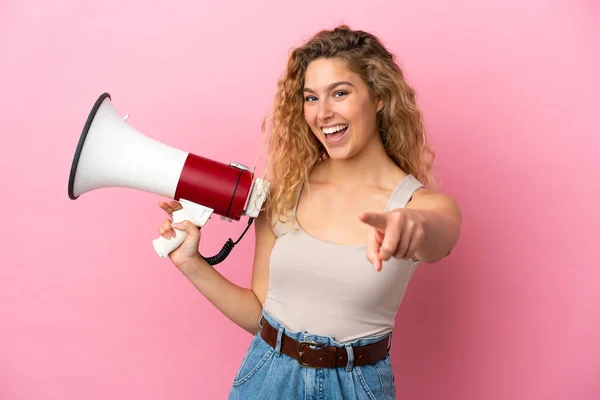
x=339, y=108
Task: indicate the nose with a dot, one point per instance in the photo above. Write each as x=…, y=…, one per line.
x=325, y=111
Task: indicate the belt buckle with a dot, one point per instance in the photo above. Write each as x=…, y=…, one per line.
x=301, y=351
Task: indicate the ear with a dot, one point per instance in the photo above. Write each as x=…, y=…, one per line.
x=379, y=105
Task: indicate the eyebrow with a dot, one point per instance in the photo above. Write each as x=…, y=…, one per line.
x=333, y=85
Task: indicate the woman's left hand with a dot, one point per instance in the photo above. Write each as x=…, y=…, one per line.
x=397, y=233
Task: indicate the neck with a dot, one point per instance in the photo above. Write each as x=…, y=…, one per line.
x=371, y=166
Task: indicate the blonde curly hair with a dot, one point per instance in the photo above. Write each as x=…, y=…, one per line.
x=293, y=150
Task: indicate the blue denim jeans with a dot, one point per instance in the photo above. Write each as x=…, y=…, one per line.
x=266, y=373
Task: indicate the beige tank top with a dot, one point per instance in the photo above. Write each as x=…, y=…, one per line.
x=331, y=289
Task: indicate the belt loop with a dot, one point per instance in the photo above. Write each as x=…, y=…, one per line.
x=390, y=342
x=262, y=317
x=350, y=352
x=278, y=344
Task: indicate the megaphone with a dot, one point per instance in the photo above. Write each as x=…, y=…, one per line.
x=111, y=153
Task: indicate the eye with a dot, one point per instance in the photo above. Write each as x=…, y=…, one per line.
x=340, y=93
x=310, y=98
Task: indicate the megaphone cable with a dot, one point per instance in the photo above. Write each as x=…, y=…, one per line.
x=227, y=247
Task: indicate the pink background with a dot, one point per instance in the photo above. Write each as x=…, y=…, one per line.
x=510, y=93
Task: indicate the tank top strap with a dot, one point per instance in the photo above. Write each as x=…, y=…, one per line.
x=403, y=192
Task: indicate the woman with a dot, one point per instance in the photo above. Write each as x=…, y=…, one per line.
x=346, y=222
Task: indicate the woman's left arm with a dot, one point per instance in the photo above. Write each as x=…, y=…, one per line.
x=440, y=217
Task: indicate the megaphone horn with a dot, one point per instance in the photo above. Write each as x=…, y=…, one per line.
x=111, y=153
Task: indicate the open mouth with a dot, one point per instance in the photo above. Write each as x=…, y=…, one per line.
x=335, y=133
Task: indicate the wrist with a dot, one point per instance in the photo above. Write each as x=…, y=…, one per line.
x=193, y=264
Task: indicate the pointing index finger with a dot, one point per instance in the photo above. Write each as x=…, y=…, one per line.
x=376, y=220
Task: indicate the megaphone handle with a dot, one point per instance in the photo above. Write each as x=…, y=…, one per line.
x=195, y=213
x=163, y=246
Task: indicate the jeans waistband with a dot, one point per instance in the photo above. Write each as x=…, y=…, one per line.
x=321, y=339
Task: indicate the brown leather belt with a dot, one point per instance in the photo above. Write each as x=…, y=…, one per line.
x=313, y=355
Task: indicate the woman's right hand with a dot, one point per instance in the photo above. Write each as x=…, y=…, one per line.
x=187, y=252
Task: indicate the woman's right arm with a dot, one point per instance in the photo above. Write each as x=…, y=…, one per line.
x=241, y=305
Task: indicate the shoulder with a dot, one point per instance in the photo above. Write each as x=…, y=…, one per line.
x=427, y=199
x=263, y=227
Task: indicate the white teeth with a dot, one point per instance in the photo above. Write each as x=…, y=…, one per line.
x=334, y=129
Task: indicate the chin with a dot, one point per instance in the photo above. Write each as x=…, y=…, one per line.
x=339, y=153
